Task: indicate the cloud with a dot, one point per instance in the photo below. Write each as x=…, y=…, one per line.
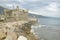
x=3, y=0
x=49, y=10
x=28, y=0
x=11, y=6
x=20, y=0
x=40, y=7
x=52, y=7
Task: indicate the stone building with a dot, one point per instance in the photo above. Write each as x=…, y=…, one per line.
x=16, y=14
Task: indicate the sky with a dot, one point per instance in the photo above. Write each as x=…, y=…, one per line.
x=40, y=7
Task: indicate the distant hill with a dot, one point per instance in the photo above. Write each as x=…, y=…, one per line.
x=1, y=9
x=40, y=16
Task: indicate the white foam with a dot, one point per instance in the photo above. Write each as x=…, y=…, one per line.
x=34, y=26
x=38, y=26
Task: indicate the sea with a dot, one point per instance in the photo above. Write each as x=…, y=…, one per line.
x=47, y=29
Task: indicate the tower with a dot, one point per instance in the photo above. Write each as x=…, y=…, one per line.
x=17, y=7
x=5, y=13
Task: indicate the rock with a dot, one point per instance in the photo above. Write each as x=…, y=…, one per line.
x=31, y=37
x=11, y=36
x=2, y=35
x=27, y=27
x=22, y=38
x=13, y=31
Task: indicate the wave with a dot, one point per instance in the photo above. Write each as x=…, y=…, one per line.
x=38, y=26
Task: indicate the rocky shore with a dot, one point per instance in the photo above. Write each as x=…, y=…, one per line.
x=14, y=30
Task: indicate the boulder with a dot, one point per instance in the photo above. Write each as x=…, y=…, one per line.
x=22, y=38
x=2, y=35
x=11, y=36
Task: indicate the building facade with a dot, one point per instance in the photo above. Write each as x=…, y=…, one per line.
x=16, y=14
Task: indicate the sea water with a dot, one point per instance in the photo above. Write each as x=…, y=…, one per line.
x=48, y=29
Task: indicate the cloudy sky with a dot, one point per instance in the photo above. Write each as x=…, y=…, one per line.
x=40, y=7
